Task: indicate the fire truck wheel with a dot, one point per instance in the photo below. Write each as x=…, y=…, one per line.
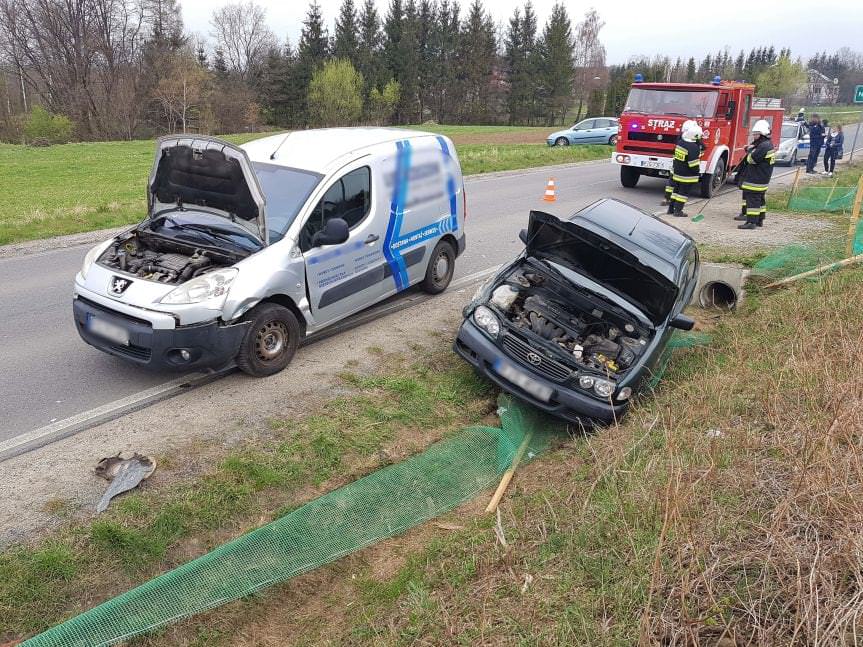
x=629, y=176
x=712, y=182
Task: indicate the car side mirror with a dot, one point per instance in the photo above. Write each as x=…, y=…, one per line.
x=729, y=114
x=522, y=236
x=335, y=232
x=682, y=322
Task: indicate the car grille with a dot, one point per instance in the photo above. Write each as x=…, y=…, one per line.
x=520, y=349
x=135, y=352
x=114, y=313
x=666, y=138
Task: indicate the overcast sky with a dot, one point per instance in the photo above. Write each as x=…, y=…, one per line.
x=672, y=27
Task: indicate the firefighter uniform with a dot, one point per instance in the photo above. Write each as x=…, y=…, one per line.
x=685, y=173
x=755, y=178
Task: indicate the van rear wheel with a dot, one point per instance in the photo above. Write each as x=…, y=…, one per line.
x=440, y=269
x=270, y=342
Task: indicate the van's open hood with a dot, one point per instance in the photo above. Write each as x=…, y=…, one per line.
x=602, y=261
x=209, y=173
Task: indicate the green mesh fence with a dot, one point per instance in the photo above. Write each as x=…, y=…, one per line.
x=823, y=198
x=378, y=506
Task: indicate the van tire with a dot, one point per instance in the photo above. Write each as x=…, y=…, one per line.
x=438, y=276
x=270, y=342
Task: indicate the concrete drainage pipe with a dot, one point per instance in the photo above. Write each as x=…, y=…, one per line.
x=719, y=295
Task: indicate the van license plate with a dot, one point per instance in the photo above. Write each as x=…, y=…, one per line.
x=526, y=382
x=111, y=332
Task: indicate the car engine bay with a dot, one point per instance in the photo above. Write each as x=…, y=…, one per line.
x=155, y=259
x=568, y=322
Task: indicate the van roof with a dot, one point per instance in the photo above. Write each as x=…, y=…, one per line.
x=318, y=150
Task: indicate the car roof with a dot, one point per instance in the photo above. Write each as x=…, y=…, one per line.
x=321, y=149
x=631, y=226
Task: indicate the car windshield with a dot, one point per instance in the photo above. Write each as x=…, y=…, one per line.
x=672, y=102
x=286, y=191
x=790, y=130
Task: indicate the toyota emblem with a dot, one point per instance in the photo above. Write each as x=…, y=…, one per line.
x=118, y=285
x=534, y=358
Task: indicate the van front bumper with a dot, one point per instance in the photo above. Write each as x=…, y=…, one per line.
x=567, y=403
x=210, y=344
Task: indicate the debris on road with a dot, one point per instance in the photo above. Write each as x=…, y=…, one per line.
x=124, y=475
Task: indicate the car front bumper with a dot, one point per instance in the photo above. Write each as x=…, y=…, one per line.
x=478, y=350
x=210, y=344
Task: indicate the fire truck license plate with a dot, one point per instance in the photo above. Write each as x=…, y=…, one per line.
x=652, y=164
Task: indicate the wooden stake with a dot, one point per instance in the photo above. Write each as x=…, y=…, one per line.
x=818, y=270
x=830, y=195
x=507, y=475
x=855, y=217
x=793, y=187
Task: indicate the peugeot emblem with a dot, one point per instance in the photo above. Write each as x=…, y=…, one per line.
x=534, y=358
x=118, y=285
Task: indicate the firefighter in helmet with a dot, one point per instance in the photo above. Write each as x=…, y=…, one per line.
x=686, y=167
x=755, y=176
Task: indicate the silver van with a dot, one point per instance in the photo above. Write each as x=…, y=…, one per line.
x=245, y=250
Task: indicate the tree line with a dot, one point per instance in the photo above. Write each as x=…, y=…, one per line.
x=122, y=69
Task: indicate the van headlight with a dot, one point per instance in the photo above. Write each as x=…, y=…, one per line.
x=485, y=319
x=213, y=285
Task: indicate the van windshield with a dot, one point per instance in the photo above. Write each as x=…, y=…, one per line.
x=672, y=102
x=286, y=191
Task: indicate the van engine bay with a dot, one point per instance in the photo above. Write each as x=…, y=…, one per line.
x=570, y=323
x=155, y=259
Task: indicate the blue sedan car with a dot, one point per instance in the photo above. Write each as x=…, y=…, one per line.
x=599, y=130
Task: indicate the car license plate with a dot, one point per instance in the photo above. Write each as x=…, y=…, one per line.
x=652, y=164
x=111, y=332
x=523, y=380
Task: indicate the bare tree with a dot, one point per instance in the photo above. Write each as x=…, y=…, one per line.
x=589, y=58
x=241, y=33
x=181, y=92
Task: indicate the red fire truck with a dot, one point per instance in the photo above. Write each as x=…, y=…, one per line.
x=654, y=112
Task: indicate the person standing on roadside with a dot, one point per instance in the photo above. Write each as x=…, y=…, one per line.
x=686, y=167
x=816, y=141
x=833, y=150
x=755, y=176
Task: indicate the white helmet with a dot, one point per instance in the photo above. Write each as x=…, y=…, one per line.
x=690, y=130
x=761, y=127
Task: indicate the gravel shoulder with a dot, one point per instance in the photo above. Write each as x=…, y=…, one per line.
x=48, y=487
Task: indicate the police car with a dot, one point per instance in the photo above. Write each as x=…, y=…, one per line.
x=245, y=250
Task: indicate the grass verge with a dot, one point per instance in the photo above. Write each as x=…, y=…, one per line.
x=73, y=188
x=725, y=511
x=395, y=412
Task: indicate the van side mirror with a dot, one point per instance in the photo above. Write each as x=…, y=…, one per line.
x=522, y=236
x=682, y=322
x=729, y=114
x=335, y=232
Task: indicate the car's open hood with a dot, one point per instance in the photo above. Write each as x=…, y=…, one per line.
x=601, y=260
x=209, y=173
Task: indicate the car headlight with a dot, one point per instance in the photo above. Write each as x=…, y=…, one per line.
x=91, y=257
x=213, y=285
x=603, y=388
x=586, y=381
x=486, y=320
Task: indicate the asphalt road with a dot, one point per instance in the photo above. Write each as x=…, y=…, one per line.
x=51, y=375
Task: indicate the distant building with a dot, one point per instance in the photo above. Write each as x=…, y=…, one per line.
x=820, y=89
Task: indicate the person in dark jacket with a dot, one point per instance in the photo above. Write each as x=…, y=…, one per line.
x=833, y=150
x=686, y=167
x=755, y=176
x=816, y=141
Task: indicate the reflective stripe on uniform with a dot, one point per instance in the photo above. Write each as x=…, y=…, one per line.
x=753, y=212
x=679, y=198
x=694, y=163
x=669, y=189
x=685, y=179
x=753, y=187
x=749, y=159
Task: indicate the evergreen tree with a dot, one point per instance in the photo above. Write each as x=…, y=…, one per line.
x=515, y=59
x=401, y=58
x=557, y=66
x=312, y=52
x=346, y=42
x=201, y=56
x=425, y=27
x=691, y=71
x=443, y=47
x=477, y=58
x=220, y=65
x=368, y=46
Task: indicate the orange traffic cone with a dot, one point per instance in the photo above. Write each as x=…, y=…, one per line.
x=549, y=191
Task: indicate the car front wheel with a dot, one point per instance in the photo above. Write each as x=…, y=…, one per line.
x=561, y=141
x=270, y=341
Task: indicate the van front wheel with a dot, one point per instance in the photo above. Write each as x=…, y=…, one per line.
x=440, y=269
x=270, y=341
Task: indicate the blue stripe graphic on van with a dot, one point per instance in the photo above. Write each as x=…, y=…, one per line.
x=397, y=212
x=450, y=186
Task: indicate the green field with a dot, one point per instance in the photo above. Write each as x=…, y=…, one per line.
x=73, y=188
x=837, y=115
